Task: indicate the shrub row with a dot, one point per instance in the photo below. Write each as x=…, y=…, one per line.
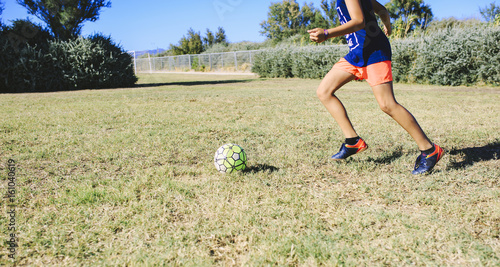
x=456, y=57
x=53, y=65
x=302, y=62
x=447, y=57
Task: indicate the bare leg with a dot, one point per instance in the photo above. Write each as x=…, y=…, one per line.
x=333, y=81
x=385, y=97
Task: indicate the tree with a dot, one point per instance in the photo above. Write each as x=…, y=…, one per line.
x=208, y=40
x=311, y=17
x=193, y=43
x=220, y=36
x=190, y=44
x=489, y=13
x=1, y=10
x=409, y=15
x=283, y=20
x=287, y=19
x=65, y=18
x=23, y=32
x=331, y=12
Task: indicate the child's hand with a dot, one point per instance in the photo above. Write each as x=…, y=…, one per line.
x=317, y=35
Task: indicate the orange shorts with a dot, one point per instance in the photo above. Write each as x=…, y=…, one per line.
x=374, y=74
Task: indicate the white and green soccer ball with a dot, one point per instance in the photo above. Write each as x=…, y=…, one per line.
x=230, y=157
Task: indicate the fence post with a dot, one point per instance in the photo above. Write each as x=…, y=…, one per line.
x=222, y=58
x=189, y=59
x=235, y=62
x=150, y=67
x=210, y=61
x=135, y=63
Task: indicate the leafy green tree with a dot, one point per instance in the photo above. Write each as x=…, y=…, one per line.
x=327, y=19
x=330, y=12
x=23, y=32
x=190, y=44
x=490, y=13
x=284, y=20
x=287, y=20
x=312, y=18
x=409, y=15
x=220, y=37
x=1, y=10
x=208, y=40
x=193, y=43
x=306, y=15
x=65, y=18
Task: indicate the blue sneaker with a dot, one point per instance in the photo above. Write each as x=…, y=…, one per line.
x=425, y=163
x=349, y=150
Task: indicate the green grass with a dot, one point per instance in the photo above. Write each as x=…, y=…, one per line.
x=125, y=176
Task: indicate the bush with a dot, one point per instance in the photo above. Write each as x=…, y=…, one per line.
x=273, y=63
x=404, y=54
x=301, y=62
x=449, y=56
x=54, y=65
x=240, y=46
x=23, y=47
x=95, y=63
x=453, y=23
x=458, y=57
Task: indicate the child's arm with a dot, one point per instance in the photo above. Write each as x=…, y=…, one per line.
x=356, y=23
x=384, y=16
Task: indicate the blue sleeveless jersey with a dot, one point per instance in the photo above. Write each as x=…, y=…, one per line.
x=369, y=45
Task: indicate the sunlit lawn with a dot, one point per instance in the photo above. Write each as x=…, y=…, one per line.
x=125, y=176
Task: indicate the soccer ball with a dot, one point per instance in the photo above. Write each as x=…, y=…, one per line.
x=230, y=157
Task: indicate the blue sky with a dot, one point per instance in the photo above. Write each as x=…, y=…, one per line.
x=151, y=24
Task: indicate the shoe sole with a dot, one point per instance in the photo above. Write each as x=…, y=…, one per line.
x=363, y=149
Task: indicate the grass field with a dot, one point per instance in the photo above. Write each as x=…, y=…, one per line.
x=125, y=177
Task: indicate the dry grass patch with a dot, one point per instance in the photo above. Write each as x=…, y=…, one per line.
x=125, y=177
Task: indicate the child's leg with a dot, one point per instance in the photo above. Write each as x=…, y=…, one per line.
x=333, y=81
x=385, y=98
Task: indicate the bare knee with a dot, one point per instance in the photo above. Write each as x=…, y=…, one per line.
x=389, y=107
x=323, y=94
x=333, y=81
x=326, y=93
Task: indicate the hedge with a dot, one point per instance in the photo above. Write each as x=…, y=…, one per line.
x=84, y=63
x=447, y=57
x=302, y=62
x=457, y=57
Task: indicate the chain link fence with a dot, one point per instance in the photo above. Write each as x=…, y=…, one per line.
x=240, y=61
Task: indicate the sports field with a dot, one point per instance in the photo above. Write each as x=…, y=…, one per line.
x=125, y=177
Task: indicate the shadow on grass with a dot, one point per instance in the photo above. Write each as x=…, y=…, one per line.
x=261, y=168
x=385, y=159
x=475, y=154
x=142, y=85
x=191, y=83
